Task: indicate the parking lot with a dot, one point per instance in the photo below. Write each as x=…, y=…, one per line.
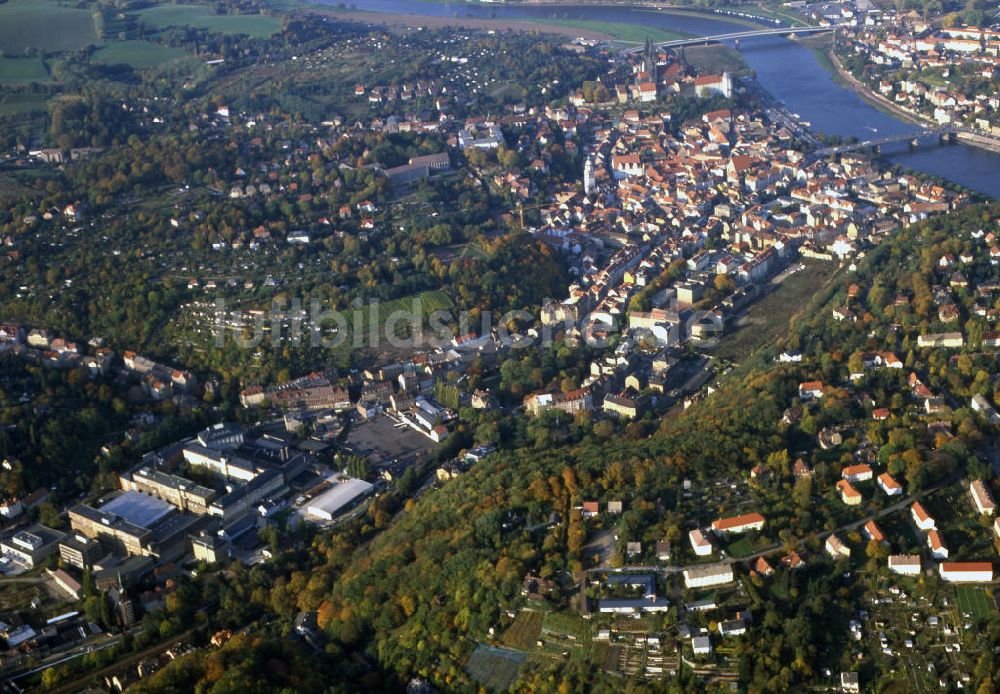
x=384, y=442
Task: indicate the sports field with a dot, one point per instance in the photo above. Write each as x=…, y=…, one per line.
x=973, y=600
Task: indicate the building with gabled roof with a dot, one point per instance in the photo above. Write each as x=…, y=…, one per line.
x=836, y=548
x=920, y=516
x=857, y=473
x=966, y=571
x=871, y=531
x=905, y=564
x=936, y=543
x=763, y=567
x=738, y=524
x=982, y=498
x=701, y=546
x=889, y=484
x=848, y=494
x=811, y=389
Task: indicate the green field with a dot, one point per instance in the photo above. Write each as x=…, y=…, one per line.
x=23, y=70
x=45, y=25
x=629, y=33
x=495, y=668
x=973, y=600
x=14, y=104
x=202, y=17
x=138, y=54
x=741, y=548
x=429, y=302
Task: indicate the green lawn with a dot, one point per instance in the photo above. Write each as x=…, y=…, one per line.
x=202, y=17
x=973, y=600
x=14, y=104
x=45, y=25
x=630, y=33
x=741, y=548
x=23, y=70
x=138, y=54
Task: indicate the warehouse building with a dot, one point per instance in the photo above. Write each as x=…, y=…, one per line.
x=327, y=505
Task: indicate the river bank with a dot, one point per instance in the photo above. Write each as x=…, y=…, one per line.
x=985, y=142
x=876, y=100
x=402, y=21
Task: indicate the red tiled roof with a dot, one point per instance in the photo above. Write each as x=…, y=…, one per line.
x=737, y=521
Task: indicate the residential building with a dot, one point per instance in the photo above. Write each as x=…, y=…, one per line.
x=708, y=575
x=889, y=484
x=982, y=498
x=936, y=544
x=836, y=548
x=848, y=494
x=941, y=340
x=905, y=564
x=810, y=390
x=699, y=544
x=850, y=682
x=573, y=401
x=966, y=571
x=857, y=473
x=920, y=516
x=738, y=524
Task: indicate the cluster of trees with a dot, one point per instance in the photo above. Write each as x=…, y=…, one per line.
x=56, y=423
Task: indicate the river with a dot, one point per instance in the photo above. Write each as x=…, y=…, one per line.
x=785, y=68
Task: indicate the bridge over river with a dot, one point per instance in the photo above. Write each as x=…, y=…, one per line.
x=944, y=132
x=736, y=35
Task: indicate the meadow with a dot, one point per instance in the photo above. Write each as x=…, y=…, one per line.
x=17, y=103
x=202, y=17
x=137, y=54
x=628, y=33
x=23, y=70
x=44, y=25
